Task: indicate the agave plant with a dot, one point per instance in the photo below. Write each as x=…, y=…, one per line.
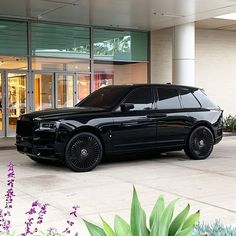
x=161, y=222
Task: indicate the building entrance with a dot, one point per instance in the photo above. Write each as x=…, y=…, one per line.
x=13, y=100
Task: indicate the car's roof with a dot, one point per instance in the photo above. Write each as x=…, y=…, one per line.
x=159, y=85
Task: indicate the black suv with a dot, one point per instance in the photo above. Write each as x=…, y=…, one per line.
x=123, y=118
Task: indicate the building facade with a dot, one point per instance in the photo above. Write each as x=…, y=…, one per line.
x=49, y=65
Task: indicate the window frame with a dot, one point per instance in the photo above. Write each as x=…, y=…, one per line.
x=117, y=108
x=181, y=101
x=168, y=109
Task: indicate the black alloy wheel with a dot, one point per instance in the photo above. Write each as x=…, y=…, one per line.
x=200, y=143
x=83, y=152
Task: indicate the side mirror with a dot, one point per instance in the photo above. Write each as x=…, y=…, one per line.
x=126, y=107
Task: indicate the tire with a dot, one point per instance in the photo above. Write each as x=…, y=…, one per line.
x=83, y=152
x=200, y=143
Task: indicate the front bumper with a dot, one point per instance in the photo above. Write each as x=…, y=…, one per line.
x=41, y=145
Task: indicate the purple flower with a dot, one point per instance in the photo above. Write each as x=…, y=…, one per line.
x=74, y=211
x=69, y=222
x=42, y=210
x=5, y=223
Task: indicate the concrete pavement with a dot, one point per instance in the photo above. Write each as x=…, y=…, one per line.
x=208, y=185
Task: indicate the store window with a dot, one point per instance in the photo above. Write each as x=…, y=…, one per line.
x=117, y=45
x=13, y=38
x=13, y=45
x=60, y=64
x=108, y=73
x=51, y=40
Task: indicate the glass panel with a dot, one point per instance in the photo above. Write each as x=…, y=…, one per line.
x=188, y=100
x=16, y=97
x=83, y=86
x=1, y=104
x=204, y=99
x=59, y=64
x=13, y=38
x=13, y=62
x=65, y=90
x=105, y=97
x=43, y=91
x=51, y=40
x=168, y=99
x=119, y=73
x=120, y=45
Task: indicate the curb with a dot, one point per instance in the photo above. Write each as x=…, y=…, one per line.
x=4, y=148
x=229, y=134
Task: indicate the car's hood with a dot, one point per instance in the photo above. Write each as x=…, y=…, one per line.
x=62, y=112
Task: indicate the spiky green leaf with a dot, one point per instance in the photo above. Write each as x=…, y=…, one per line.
x=157, y=211
x=121, y=227
x=178, y=222
x=166, y=219
x=138, y=217
x=107, y=228
x=94, y=230
x=191, y=220
x=186, y=232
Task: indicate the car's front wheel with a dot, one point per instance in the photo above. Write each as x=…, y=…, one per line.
x=200, y=143
x=83, y=152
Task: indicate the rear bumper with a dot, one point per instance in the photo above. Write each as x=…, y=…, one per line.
x=218, y=135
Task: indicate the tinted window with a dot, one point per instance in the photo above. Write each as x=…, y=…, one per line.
x=168, y=99
x=204, y=100
x=106, y=97
x=141, y=98
x=188, y=100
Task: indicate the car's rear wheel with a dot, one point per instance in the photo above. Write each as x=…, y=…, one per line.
x=83, y=152
x=200, y=143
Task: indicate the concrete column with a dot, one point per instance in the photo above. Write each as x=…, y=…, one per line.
x=184, y=54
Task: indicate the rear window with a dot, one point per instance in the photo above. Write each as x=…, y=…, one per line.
x=168, y=99
x=204, y=100
x=188, y=100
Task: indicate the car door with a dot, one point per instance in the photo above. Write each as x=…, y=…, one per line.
x=134, y=129
x=172, y=124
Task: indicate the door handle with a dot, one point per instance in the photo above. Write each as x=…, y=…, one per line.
x=157, y=115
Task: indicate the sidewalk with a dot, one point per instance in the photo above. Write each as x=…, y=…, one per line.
x=7, y=143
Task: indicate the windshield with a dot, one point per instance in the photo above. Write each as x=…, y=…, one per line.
x=106, y=97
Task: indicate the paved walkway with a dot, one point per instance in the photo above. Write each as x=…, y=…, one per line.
x=7, y=143
x=207, y=185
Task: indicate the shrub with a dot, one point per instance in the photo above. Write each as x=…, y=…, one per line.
x=230, y=123
x=215, y=229
x=161, y=222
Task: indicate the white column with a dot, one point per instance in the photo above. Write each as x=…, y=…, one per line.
x=184, y=54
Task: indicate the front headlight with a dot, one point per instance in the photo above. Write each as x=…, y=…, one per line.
x=49, y=125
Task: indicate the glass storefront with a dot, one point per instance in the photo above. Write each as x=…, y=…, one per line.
x=44, y=66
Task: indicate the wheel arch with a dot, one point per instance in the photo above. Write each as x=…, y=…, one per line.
x=201, y=123
x=89, y=129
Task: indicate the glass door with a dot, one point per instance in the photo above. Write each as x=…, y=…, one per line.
x=65, y=90
x=43, y=91
x=2, y=107
x=83, y=86
x=15, y=99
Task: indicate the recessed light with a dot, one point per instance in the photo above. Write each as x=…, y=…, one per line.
x=231, y=16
